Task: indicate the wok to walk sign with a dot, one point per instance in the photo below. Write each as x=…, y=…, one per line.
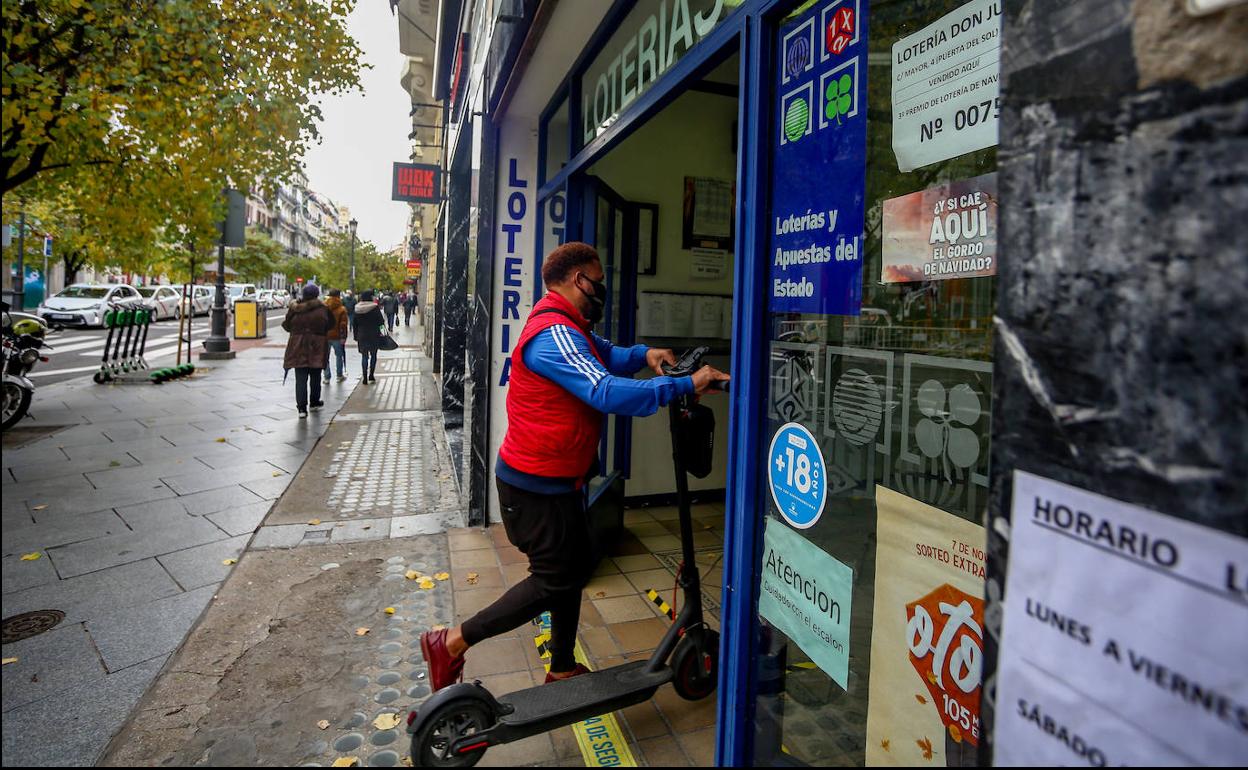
x=416, y=183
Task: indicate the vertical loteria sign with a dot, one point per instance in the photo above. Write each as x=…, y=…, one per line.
x=819, y=160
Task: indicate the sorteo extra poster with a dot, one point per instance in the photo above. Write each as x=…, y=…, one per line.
x=927, y=638
x=947, y=231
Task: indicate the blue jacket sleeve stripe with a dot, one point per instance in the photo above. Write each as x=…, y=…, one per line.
x=574, y=358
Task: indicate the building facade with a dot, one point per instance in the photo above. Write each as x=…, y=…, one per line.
x=977, y=273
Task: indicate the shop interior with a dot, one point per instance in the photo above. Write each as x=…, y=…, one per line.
x=648, y=218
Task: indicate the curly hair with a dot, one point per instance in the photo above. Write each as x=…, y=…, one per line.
x=560, y=262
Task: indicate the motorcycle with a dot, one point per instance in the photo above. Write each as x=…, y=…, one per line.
x=23, y=337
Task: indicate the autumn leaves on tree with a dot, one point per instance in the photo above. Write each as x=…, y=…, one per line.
x=124, y=119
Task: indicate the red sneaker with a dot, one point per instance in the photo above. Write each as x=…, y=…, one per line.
x=550, y=677
x=443, y=668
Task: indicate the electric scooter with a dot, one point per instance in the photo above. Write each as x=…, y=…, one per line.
x=458, y=723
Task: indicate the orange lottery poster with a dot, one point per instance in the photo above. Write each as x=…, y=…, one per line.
x=928, y=637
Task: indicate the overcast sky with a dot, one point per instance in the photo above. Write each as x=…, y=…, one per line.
x=362, y=135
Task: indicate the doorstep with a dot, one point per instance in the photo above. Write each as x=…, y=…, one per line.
x=619, y=623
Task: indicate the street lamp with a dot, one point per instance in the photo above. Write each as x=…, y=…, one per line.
x=353, y=224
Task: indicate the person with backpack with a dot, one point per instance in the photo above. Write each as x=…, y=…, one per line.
x=368, y=333
x=307, y=349
x=409, y=304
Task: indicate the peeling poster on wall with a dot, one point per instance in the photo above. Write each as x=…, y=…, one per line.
x=927, y=638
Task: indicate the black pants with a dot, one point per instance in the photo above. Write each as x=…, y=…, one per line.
x=407, y=315
x=368, y=362
x=305, y=376
x=553, y=531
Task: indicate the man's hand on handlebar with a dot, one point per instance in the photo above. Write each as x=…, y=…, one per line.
x=657, y=357
x=708, y=378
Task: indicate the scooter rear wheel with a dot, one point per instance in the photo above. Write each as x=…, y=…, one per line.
x=696, y=675
x=16, y=404
x=431, y=745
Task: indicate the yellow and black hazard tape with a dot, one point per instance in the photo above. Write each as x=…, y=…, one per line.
x=663, y=606
x=601, y=739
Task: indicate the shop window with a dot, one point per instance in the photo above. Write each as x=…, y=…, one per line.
x=880, y=383
x=557, y=140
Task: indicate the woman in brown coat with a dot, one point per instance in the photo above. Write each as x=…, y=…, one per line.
x=307, y=350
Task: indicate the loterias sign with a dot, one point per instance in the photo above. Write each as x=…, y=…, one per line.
x=653, y=37
x=416, y=183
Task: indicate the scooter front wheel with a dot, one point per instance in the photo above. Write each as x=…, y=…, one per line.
x=696, y=673
x=431, y=745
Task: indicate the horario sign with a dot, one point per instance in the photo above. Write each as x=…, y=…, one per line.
x=416, y=183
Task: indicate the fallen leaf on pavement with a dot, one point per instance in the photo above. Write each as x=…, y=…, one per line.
x=411, y=574
x=230, y=561
x=221, y=440
x=7, y=661
x=438, y=627
x=323, y=724
x=277, y=473
x=346, y=762
x=31, y=556
x=443, y=576
x=361, y=631
x=426, y=583
x=473, y=578
x=113, y=464
x=920, y=698
x=314, y=522
x=600, y=595
x=407, y=762
x=386, y=721
x=389, y=610
x=40, y=507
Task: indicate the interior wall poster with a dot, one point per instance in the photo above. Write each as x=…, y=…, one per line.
x=819, y=160
x=927, y=638
x=708, y=213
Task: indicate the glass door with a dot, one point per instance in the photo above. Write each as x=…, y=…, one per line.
x=608, y=224
x=879, y=336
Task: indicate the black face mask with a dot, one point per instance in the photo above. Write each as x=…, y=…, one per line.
x=597, y=300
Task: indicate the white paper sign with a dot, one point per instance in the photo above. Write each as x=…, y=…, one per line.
x=1124, y=635
x=708, y=263
x=945, y=86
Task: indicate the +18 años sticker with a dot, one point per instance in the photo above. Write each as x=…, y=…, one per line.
x=797, y=475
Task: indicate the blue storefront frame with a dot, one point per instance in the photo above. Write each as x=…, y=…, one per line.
x=747, y=31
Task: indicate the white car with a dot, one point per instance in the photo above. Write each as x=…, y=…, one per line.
x=273, y=298
x=164, y=299
x=84, y=304
x=200, y=301
x=235, y=291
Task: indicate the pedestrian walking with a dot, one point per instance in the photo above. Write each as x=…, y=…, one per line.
x=307, y=350
x=409, y=304
x=349, y=303
x=390, y=304
x=368, y=331
x=337, y=335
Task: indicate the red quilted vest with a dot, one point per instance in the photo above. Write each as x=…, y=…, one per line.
x=550, y=432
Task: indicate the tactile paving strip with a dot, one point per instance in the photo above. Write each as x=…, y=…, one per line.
x=392, y=464
x=390, y=365
x=395, y=680
x=391, y=394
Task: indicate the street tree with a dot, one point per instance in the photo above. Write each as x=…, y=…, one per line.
x=151, y=107
x=258, y=258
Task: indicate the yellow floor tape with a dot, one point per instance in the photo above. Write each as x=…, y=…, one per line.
x=601, y=739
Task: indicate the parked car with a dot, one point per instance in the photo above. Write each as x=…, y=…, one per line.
x=199, y=302
x=164, y=299
x=84, y=304
x=234, y=291
x=273, y=298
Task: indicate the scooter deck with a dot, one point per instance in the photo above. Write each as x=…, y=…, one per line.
x=584, y=696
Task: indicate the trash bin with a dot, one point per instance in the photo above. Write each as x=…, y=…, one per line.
x=249, y=319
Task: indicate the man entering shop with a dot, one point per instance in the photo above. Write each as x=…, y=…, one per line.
x=564, y=378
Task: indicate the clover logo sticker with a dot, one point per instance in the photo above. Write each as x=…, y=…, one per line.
x=838, y=97
x=945, y=432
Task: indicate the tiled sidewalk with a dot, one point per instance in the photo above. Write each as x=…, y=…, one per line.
x=618, y=624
